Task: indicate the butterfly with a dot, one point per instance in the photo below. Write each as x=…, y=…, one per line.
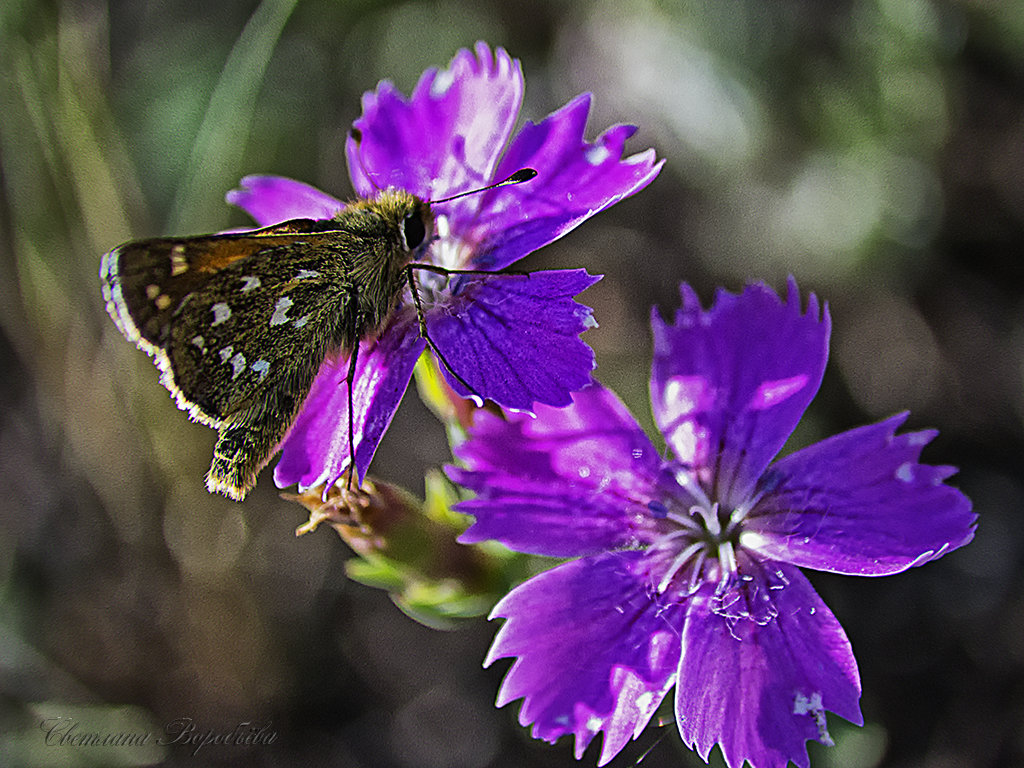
x=239, y=324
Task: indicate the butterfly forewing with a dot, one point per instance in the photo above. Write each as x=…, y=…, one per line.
x=234, y=339
x=144, y=282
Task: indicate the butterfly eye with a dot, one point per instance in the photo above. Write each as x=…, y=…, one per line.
x=414, y=229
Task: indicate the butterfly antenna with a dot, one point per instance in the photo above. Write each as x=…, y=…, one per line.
x=523, y=174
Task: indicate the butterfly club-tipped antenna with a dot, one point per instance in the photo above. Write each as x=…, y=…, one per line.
x=523, y=174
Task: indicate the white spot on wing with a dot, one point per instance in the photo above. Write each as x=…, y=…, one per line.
x=238, y=364
x=261, y=367
x=221, y=312
x=250, y=282
x=301, y=322
x=200, y=342
x=305, y=274
x=226, y=353
x=280, y=315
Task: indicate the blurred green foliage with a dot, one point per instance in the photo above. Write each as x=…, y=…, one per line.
x=871, y=148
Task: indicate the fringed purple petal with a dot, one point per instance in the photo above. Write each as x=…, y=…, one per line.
x=860, y=503
x=572, y=481
x=447, y=137
x=595, y=651
x=316, y=450
x=762, y=664
x=515, y=338
x=729, y=384
x=273, y=199
x=575, y=180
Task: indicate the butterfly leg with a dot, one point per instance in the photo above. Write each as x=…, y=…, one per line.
x=422, y=318
x=350, y=380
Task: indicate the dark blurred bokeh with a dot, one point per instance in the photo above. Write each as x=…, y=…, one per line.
x=872, y=148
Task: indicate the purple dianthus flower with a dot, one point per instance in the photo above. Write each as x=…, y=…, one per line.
x=513, y=338
x=688, y=567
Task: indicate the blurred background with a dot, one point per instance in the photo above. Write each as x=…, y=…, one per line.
x=874, y=149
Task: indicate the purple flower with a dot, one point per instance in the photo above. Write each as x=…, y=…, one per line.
x=513, y=338
x=688, y=567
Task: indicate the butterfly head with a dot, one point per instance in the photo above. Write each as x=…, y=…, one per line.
x=411, y=218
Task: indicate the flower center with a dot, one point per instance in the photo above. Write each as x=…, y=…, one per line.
x=699, y=544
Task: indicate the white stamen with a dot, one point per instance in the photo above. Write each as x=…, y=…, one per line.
x=685, y=521
x=740, y=513
x=710, y=517
x=727, y=558
x=688, y=481
x=677, y=563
